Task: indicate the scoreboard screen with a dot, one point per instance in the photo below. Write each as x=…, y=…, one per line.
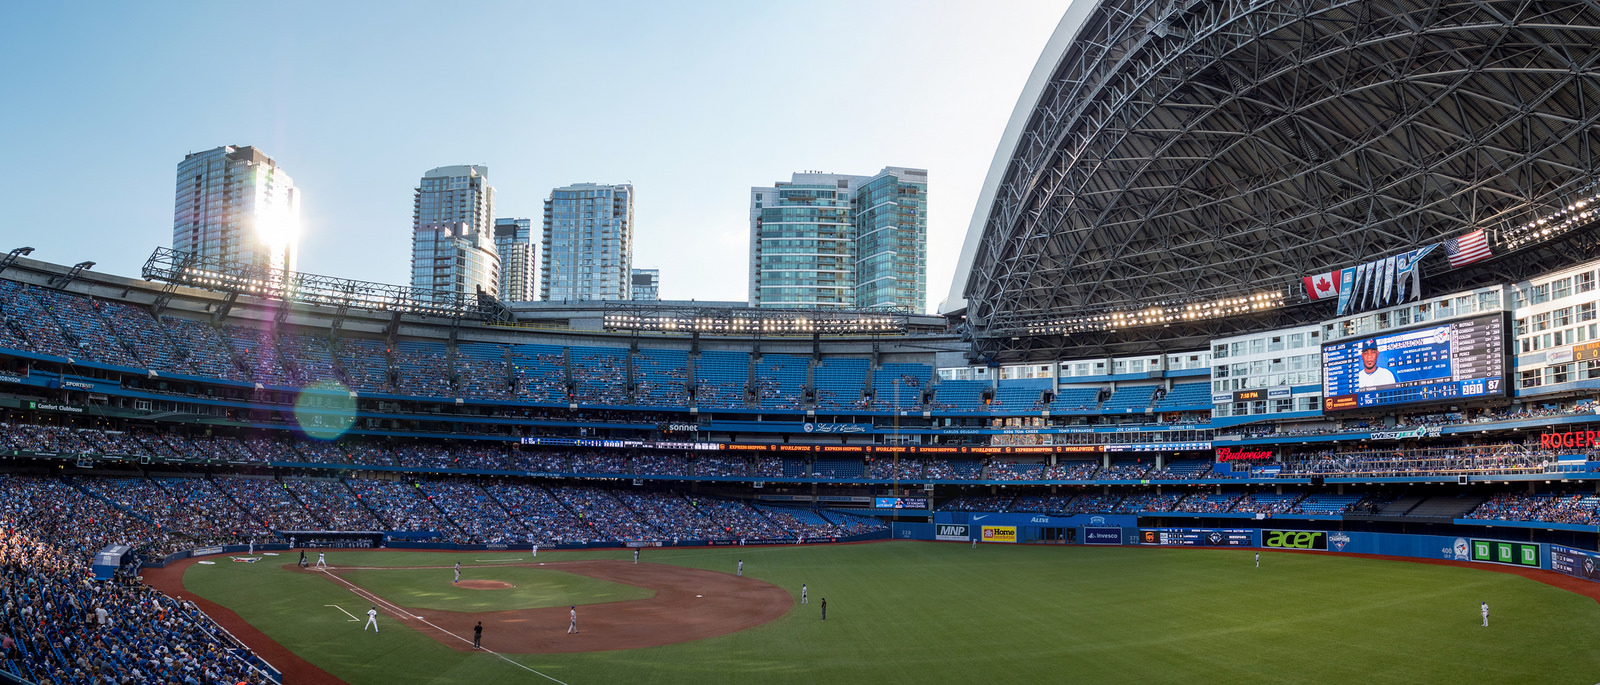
x=1198, y=537
x=900, y=502
x=1459, y=360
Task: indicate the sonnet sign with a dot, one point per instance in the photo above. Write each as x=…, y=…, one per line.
x=1230, y=454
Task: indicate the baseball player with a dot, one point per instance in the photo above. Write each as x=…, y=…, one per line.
x=321, y=562
x=803, y=599
x=573, y=626
x=536, y=550
x=458, y=573
x=1258, y=560
x=372, y=620
x=477, y=635
x=636, y=555
x=1486, y=614
x=741, y=567
x=824, y=608
x=974, y=543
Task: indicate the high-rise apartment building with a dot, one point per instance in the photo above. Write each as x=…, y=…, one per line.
x=519, y=266
x=838, y=241
x=236, y=204
x=588, y=243
x=647, y=284
x=452, y=233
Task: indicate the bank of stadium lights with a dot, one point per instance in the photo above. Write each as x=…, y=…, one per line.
x=1572, y=216
x=756, y=323
x=1162, y=314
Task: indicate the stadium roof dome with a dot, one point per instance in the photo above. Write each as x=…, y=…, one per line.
x=1170, y=155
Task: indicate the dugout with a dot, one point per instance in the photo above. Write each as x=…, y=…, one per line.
x=332, y=538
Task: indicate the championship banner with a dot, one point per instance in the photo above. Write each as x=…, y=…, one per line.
x=954, y=532
x=999, y=533
x=1382, y=283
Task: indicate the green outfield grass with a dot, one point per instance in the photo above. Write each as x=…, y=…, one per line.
x=916, y=612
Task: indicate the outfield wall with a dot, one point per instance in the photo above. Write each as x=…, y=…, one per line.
x=1123, y=529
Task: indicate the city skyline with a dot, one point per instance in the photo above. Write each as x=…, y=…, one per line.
x=682, y=117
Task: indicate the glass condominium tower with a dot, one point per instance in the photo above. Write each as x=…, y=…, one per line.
x=839, y=241
x=519, y=265
x=235, y=204
x=588, y=243
x=452, y=233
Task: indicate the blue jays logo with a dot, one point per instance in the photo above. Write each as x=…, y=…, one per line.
x=1461, y=551
x=1097, y=520
x=1588, y=567
x=1214, y=538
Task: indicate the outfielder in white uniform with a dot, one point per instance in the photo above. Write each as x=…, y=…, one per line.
x=320, y=561
x=803, y=594
x=536, y=551
x=741, y=567
x=573, y=626
x=458, y=573
x=1486, y=614
x=372, y=620
x=1258, y=560
x=636, y=555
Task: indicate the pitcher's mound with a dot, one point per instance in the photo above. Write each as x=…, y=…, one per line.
x=485, y=585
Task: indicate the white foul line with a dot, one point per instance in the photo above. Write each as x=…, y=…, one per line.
x=362, y=592
x=340, y=608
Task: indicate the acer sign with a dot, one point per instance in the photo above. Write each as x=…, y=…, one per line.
x=1294, y=539
x=1230, y=454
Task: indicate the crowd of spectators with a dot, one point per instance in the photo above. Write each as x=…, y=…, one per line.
x=1497, y=459
x=1555, y=508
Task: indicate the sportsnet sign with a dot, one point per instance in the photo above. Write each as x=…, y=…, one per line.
x=955, y=532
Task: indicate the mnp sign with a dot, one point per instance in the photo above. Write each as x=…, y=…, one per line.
x=952, y=531
x=999, y=533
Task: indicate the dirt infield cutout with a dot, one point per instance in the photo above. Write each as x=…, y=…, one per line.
x=484, y=584
x=689, y=604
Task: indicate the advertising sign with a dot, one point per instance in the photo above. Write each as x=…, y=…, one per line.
x=1198, y=537
x=1295, y=539
x=900, y=502
x=1575, y=562
x=952, y=531
x=1509, y=553
x=999, y=533
x=1102, y=536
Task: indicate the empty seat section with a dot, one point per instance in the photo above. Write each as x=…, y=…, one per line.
x=662, y=378
x=1075, y=399
x=1130, y=397
x=1023, y=393
x=912, y=378
x=541, y=372
x=959, y=395
x=720, y=379
x=840, y=382
x=600, y=375
x=1186, y=396
x=780, y=380
x=481, y=371
x=837, y=467
x=1326, y=504
x=421, y=368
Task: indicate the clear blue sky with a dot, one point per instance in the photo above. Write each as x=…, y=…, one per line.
x=692, y=102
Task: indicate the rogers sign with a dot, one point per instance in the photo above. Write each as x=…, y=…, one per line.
x=1230, y=454
x=1548, y=441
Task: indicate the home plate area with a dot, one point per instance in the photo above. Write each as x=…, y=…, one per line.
x=689, y=604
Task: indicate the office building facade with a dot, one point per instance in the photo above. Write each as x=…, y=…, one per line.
x=840, y=241
x=452, y=246
x=647, y=284
x=235, y=203
x=519, y=264
x=588, y=243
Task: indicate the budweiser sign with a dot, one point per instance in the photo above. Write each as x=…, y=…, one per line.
x=1230, y=454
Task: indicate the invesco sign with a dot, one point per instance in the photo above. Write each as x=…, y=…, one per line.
x=1295, y=539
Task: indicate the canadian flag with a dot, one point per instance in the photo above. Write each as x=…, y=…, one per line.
x=1322, y=285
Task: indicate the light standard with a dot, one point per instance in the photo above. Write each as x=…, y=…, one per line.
x=896, y=448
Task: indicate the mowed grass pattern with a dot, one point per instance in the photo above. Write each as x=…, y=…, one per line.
x=533, y=588
x=904, y=612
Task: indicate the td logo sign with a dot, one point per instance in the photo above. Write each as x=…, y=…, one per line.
x=1295, y=539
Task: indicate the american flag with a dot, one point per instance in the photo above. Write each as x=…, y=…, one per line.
x=1467, y=249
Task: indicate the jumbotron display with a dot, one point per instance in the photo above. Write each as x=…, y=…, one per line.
x=1464, y=359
